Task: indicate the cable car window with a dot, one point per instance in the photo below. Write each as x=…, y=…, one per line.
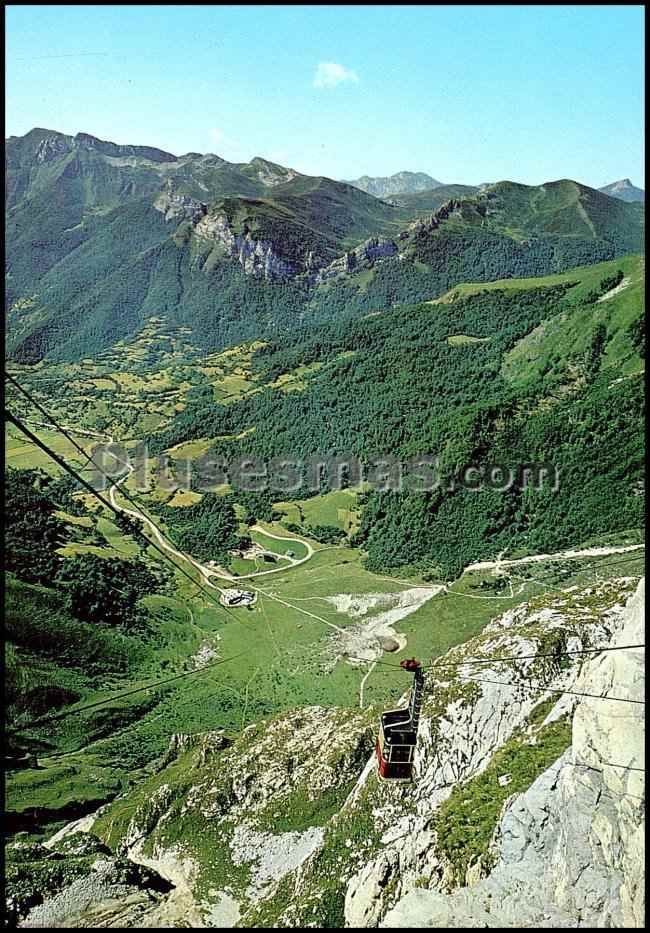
x=400, y=753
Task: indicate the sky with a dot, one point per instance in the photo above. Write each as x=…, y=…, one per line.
x=466, y=93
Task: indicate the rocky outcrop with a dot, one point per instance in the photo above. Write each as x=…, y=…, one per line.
x=356, y=260
x=526, y=809
x=72, y=878
x=256, y=257
x=450, y=208
x=270, y=174
x=51, y=147
x=571, y=848
x=489, y=736
x=179, y=207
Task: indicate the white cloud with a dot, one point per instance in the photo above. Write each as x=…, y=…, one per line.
x=216, y=135
x=330, y=74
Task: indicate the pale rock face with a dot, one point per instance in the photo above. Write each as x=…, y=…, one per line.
x=271, y=175
x=256, y=257
x=51, y=148
x=362, y=257
x=271, y=855
x=445, y=211
x=571, y=848
x=364, y=893
x=179, y=207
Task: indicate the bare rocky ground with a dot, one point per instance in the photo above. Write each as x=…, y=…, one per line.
x=377, y=615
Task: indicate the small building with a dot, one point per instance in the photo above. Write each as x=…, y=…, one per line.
x=237, y=598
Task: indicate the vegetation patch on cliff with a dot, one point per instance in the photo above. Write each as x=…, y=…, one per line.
x=466, y=821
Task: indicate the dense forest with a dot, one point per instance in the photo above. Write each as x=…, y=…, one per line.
x=105, y=592
x=207, y=530
x=396, y=384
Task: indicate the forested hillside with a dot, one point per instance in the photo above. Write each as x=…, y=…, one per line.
x=445, y=378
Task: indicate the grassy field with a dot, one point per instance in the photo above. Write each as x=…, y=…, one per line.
x=290, y=543
x=337, y=508
x=586, y=278
x=20, y=453
x=190, y=449
x=459, y=340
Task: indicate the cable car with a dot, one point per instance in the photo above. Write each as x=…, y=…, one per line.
x=398, y=731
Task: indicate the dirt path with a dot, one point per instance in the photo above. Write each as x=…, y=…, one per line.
x=293, y=561
x=561, y=555
x=363, y=682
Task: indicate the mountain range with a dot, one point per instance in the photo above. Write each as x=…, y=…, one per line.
x=391, y=187
x=101, y=236
x=225, y=315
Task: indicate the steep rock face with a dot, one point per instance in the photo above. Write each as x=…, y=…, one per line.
x=256, y=257
x=179, y=207
x=226, y=824
x=51, y=147
x=76, y=877
x=571, y=848
x=487, y=732
x=358, y=259
x=452, y=207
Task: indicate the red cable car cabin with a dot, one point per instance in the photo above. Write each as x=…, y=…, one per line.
x=398, y=731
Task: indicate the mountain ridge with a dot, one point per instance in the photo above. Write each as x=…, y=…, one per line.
x=399, y=183
x=137, y=230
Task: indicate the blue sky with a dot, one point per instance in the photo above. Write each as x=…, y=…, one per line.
x=466, y=93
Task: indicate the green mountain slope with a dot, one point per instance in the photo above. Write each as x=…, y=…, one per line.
x=427, y=201
x=506, y=375
x=101, y=236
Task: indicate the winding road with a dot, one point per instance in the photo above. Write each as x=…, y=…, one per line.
x=207, y=573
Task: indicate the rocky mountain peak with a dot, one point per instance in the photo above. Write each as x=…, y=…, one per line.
x=271, y=174
x=399, y=183
x=624, y=190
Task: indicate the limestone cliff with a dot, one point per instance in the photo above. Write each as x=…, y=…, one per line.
x=570, y=850
x=525, y=810
x=257, y=256
x=358, y=259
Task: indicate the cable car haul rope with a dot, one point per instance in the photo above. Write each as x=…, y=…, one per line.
x=398, y=728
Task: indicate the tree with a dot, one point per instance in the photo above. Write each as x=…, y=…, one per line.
x=133, y=527
x=106, y=591
x=207, y=530
x=32, y=530
x=596, y=347
x=636, y=332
